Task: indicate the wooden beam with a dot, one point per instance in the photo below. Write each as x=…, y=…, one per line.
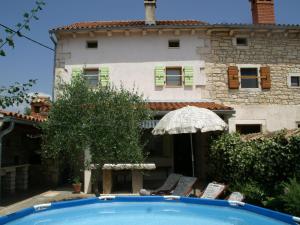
x=209, y=32
x=109, y=33
x=91, y=34
x=177, y=32
x=231, y=33
x=127, y=33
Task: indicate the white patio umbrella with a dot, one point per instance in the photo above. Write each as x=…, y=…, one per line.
x=189, y=119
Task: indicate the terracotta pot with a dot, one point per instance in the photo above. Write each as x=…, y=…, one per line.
x=77, y=188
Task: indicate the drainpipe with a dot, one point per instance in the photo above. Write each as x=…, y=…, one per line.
x=54, y=40
x=2, y=134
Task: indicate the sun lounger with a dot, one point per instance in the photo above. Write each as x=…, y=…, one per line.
x=167, y=187
x=184, y=186
x=213, y=190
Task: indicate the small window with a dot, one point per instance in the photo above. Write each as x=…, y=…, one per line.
x=248, y=128
x=298, y=124
x=295, y=81
x=249, y=77
x=174, y=76
x=92, y=44
x=241, y=41
x=92, y=77
x=37, y=109
x=174, y=44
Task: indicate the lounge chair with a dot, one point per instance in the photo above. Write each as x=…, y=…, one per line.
x=167, y=187
x=213, y=190
x=184, y=186
x=236, y=196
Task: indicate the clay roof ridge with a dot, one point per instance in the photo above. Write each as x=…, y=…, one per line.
x=22, y=116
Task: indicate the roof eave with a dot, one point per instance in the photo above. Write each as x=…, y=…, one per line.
x=146, y=27
x=194, y=26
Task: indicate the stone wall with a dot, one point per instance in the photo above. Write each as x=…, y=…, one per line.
x=279, y=51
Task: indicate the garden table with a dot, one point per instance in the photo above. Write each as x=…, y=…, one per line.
x=136, y=174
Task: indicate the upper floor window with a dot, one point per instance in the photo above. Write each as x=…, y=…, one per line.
x=241, y=41
x=294, y=80
x=174, y=44
x=92, y=77
x=92, y=44
x=173, y=76
x=249, y=77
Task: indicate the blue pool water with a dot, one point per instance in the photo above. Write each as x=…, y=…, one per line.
x=145, y=213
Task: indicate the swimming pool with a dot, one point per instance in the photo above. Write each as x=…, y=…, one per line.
x=151, y=210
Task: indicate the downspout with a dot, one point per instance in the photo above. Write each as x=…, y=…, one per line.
x=2, y=134
x=54, y=40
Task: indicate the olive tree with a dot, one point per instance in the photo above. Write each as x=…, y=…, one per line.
x=107, y=121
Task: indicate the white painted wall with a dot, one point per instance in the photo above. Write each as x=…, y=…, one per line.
x=132, y=60
x=271, y=117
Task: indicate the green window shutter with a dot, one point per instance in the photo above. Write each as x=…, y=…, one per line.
x=76, y=72
x=160, y=76
x=104, y=76
x=188, y=76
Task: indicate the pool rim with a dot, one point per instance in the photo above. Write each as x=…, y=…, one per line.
x=286, y=218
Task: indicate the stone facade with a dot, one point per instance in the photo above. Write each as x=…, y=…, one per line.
x=278, y=51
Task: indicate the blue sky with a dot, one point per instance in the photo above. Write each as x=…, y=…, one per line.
x=29, y=60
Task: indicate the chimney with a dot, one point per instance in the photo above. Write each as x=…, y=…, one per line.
x=40, y=107
x=263, y=11
x=150, y=6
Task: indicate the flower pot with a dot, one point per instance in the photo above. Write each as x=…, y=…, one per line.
x=77, y=188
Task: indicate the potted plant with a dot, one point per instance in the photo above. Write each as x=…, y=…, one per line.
x=76, y=185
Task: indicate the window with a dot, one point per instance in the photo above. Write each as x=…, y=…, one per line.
x=37, y=109
x=174, y=44
x=173, y=76
x=248, y=128
x=92, y=77
x=241, y=41
x=298, y=124
x=295, y=81
x=249, y=77
x=92, y=44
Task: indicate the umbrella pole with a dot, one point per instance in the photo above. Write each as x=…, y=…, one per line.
x=192, y=152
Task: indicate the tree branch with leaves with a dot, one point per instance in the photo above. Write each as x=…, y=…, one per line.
x=24, y=25
x=15, y=94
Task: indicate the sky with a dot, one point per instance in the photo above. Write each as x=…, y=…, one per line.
x=30, y=61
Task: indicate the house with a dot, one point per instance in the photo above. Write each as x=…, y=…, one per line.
x=247, y=73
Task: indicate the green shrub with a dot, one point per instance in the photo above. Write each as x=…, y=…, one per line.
x=291, y=197
x=253, y=192
x=268, y=161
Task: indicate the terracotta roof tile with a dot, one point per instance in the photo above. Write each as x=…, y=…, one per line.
x=132, y=23
x=169, y=106
x=22, y=116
